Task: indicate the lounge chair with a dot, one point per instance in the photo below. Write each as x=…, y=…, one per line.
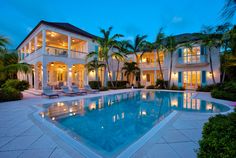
x=67, y=91
x=49, y=92
x=89, y=89
x=77, y=90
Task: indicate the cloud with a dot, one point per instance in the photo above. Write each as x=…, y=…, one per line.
x=177, y=19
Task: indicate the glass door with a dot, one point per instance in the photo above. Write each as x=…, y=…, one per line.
x=192, y=79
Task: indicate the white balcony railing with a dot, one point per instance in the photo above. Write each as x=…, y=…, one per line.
x=57, y=51
x=196, y=59
x=78, y=54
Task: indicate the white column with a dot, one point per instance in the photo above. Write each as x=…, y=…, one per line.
x=35, y=43
x=69, y=46
x=36, y=77
x=85, y=76
x=45, y=75
x=44, y=42
x=29, y=47
x=69, y=75
x=155, y=66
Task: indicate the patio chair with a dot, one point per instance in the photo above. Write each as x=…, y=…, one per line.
x=77, y=90
x=67, y=91
x=89, y=89
x=49, y=92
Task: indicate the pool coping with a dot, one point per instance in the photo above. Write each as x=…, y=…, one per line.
x=127, y=152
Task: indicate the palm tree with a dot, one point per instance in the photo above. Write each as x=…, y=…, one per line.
x=94, y=65
x=210, y=40
x=138, y=46
x=120, y=56
x=9, y=66
x=229, y=9
x=130, y=69
x=106, y=44
x=3, y=42
x=159, y=47
x=171, y=47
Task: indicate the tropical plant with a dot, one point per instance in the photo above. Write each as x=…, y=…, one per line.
x=9, y=66
x=171, y=47
x=3, y=42
x=120, y=56
x=138, y=47
x=210, y=40
x=130, y=68
x=94, y=65
x=159, y=46
x=106, y=44
x=229, y=9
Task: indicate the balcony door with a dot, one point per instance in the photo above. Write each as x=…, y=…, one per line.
x=192, y=79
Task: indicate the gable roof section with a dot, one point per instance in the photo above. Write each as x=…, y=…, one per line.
x=63, y=26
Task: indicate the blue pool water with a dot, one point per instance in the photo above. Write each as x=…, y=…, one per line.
x=108, y=124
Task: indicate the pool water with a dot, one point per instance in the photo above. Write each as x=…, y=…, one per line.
x=109, y=124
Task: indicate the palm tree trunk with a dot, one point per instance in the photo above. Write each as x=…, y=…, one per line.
x=105, y=77
x=159, y=63
x=170, y=73
x=109, y=74
x=117, y=71
x=211, y=66
x=139, y=78
x=96, y=77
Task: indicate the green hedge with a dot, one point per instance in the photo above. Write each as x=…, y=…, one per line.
x=16, y=84
x=120, y=84
x=95, y=84
x=206, y=88
x=10, y=94
x=150, y=87
x=219, y=137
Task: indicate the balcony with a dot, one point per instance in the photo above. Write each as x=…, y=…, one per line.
x=196, y=60
x=57, y=51
x=78, y=54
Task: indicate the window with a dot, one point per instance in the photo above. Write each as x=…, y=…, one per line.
x=78, y=45
x=148, y=77
x=39, y=40
x=191, y=56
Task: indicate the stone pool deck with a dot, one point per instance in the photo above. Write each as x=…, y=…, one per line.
x=22, y=137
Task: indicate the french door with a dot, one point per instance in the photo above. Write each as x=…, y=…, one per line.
x=192, y=79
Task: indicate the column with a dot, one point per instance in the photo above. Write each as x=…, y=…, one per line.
x=35, y=43
x=155, y=66
x=36, y=76
x=45, y=75
x=69, y=46
x=69, y=75
x=44, y=42
x=85, y=76
x=30, y=47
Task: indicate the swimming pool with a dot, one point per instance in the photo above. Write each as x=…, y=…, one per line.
x=109, y=124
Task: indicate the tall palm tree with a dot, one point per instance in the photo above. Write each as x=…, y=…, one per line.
x=106, y=44
x=3, y=42
x=210, y=40
x=120, y=56
x=171, y=47
x=158, y=44
x=229, y=9
x=138, y=46
x=130, y=69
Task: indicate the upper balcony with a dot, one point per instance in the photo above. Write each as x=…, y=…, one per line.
x=195, y=57
x=55, y=44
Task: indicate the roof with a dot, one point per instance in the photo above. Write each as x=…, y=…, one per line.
x=63, y=26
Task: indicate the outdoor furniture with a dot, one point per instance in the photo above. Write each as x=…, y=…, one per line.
x=77, y=90
x=89, y=89
x=49, y=92
x=67, y=91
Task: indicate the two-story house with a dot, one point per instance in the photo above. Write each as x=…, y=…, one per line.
x=191, y=67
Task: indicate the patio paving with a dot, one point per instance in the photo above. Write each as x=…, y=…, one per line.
x=21, y=137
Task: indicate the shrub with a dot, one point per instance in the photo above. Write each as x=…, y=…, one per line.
x=10, y=94
x=174, y=87
x=16, y=84
x=95, y=84
x=221, y=94
x=120, y=84
x=218, y=137
x=160, y=83
x=150, y=87
x=206, y=88
x=103, y=89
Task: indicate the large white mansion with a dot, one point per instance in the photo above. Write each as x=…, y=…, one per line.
x=57, y=53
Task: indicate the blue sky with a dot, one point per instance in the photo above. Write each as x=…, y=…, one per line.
x=128, y=17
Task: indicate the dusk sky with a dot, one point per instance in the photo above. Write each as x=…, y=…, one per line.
x=128, y=17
